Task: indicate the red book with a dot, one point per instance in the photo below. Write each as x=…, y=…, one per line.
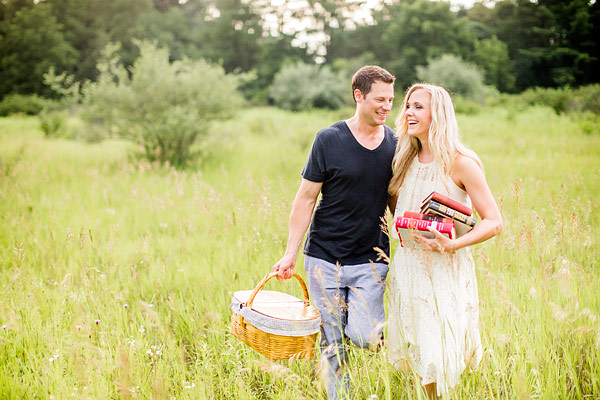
x=463, y=223
x=417, y=215
x=405, y=226
x=447, y=201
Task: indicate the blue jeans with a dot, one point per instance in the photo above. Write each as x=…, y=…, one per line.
x=350, y=300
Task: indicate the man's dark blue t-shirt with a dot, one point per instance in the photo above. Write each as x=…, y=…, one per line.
x=346, y=225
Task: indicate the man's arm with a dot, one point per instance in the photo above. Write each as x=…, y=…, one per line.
x=302, y=210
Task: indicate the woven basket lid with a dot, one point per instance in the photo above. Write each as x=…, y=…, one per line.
x=277, y=305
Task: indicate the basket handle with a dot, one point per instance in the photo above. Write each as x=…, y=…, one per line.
x=270, y=275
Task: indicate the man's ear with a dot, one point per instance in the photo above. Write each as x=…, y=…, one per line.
x=357, y=95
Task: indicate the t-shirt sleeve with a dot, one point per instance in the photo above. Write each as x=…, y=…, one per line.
x=315, y=167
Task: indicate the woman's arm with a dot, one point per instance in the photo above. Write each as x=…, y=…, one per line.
x=469, y=175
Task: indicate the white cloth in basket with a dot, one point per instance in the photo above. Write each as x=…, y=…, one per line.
x=277, y=313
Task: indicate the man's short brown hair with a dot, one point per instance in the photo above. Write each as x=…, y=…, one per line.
x=367, y=75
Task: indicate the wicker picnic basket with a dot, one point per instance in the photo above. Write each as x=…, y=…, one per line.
x=277, y=325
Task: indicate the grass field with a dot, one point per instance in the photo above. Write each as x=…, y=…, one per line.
x=116, y=275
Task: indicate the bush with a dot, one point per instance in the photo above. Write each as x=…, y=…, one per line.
x=164, y=107
x=588, y=122
x=455, y=75
x=466, y=106
x=53, y=123
x=585, y=98
x=557, y=99
x=22, y=104
x=303, y=86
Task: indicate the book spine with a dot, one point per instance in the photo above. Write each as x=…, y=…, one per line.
x=447, y=201
x=449, y=212
x=423, y=225
x=416, y=215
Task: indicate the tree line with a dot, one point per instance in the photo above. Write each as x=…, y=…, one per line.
x=516, y=44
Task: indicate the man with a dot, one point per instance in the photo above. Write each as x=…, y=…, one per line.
x=350, y=165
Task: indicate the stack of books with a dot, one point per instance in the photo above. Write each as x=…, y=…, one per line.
x=447, y=216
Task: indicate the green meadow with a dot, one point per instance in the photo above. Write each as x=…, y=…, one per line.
x=116, y=275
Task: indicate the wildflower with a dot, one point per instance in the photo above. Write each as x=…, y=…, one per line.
x=565, y=269
x=54, y=356
x=559, y=313
x=586, y=312
x=97, y=322
x=502, y=338
x=125, y=305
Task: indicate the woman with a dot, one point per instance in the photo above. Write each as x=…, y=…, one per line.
x=434, y=312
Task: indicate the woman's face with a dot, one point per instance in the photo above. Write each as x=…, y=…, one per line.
x=418, y=114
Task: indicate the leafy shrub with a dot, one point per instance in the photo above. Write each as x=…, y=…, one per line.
x=22, y=104
x=584, y=98
x=164, y=107
x=588, y=122
x=303, y=86
x=557, y=99
x=466, y=106
x=587, y=98
x=53, y=123
x=455, y=75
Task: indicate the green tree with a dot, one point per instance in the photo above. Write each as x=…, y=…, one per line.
x=455, y=75
x=232, y=36
x=31, y=41
x=165, y=107
x=175, y=28
x=491, y=55
x=303, y=86
x=423, y=30
x=550, y=42
x=572, y=44
x=275, y=52
x=89, y=25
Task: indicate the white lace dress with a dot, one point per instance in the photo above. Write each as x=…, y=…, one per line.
x=434, y=306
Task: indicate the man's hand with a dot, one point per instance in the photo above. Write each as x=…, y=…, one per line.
x=285, y=267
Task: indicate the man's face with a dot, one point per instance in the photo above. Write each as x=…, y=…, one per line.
x=377, y=104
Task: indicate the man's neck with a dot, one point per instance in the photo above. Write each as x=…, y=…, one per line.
x=369, y=136
x=362, y=129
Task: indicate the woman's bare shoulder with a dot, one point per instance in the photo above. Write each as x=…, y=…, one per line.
x=463, y=163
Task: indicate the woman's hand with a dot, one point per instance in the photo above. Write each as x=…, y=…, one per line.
x=440, y=243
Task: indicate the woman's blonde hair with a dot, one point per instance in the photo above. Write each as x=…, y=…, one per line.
x=444, y=140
